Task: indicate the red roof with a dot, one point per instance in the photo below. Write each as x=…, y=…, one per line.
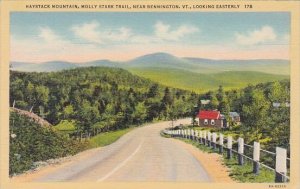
x=209, y=114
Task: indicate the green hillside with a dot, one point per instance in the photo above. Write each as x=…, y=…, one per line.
x=31, y=142
x=199, y=82
x=96, y=99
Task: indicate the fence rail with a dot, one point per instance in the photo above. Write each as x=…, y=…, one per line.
x=217, y=140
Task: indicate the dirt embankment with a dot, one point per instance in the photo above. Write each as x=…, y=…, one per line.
x=37, y=119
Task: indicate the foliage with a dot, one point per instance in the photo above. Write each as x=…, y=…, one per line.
x=31, y=142
x=98, y=99
x=261, y=121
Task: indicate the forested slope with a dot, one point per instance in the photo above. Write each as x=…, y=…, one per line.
x=97, y=99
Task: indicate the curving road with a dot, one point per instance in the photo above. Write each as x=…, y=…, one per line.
x=140, y=155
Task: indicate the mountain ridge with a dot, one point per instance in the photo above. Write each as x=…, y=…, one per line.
x=166, y=60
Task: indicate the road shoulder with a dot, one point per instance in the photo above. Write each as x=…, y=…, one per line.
x=211, y=162
x=31, y=175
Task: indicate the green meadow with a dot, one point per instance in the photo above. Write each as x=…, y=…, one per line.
x=200, y=82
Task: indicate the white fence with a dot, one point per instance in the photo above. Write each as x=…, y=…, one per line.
x=217, y=142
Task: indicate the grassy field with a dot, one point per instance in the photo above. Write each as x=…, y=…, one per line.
x=107, y=138
x=200, y=82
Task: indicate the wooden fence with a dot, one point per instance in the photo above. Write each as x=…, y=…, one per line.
x=218, y=142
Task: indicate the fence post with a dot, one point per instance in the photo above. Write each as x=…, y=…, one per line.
x=189, y=133
x=229, y=147
x=204, y=138
x=221, y=144
x=214, y=140
x=256, y=154
x=241, y=151
x=280, y=170
x=200, y=137
x=209, y=139
x=196, y=136
x=193, y=134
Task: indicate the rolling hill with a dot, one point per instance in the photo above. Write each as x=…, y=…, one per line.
x=190, y=73
x=200, y=82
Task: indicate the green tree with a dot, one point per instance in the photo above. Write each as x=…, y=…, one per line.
x=140, y=113
x=255, y=113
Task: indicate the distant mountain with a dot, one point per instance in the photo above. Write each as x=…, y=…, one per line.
x=165, y=60
x=273, y=66
x=106, y=63
x=42, y=67
x=156, y=59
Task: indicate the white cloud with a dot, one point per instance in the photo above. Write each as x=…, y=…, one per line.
x=263, y=35
x=163, y=31
x=48, y=35
x=88, y=32
x=121, y=34
x=93, y=33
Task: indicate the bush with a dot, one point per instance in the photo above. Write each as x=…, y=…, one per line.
x=31, y=142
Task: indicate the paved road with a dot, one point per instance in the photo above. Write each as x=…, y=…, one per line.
x=140, y=155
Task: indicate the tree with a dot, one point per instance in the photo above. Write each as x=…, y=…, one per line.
x=87, y=116
x=255, y=113
x=153, y=91
x=220, y=94
x=167, y=99
x=68, y=112
x=140, y=113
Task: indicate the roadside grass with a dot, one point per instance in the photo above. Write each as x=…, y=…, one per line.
x=107, y=138
x=104, y=139
x=242, y=174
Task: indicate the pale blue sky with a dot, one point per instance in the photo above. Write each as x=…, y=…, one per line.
x=98, y=35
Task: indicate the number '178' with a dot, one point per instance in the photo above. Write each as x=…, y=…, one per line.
x=248, y=6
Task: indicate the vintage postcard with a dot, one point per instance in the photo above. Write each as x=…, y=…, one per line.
x=150, y=94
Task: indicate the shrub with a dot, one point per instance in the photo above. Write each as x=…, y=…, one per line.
x=31, y=142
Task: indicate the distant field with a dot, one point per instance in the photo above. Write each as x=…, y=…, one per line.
x=199, y=82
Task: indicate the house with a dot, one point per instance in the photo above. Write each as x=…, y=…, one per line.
x=211, y=118
x=235, y=117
